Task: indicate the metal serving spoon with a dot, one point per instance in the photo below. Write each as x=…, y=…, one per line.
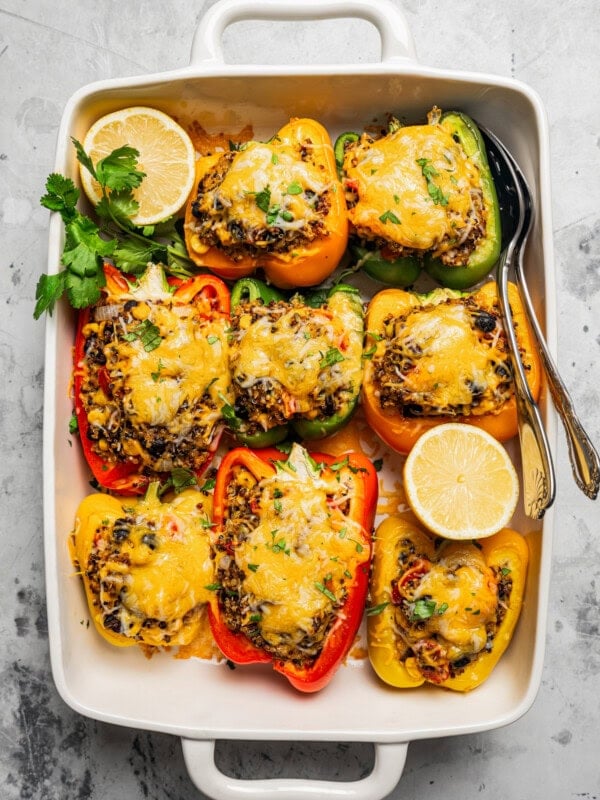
x=515, y=200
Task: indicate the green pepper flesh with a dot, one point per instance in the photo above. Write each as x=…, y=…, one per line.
x=487, y=251
x=251, y=290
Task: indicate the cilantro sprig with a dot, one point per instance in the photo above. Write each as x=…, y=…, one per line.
x=89, y=242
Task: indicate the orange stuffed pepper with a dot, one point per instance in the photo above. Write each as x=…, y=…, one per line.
x=443, y=357
x=275, y=205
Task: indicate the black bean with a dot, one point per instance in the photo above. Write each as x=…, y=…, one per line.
x=149, y=539
x=112, y=623
x=485, y=322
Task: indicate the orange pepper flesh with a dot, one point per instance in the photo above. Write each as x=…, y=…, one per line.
x=400, y=432
x=307, y=265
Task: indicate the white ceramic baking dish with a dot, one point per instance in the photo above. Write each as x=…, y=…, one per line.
x=198, y=700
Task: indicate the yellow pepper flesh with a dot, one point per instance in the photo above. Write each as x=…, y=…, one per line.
x=505, y=554
x=145, y=565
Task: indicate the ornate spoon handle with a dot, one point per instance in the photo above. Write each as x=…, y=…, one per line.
x=536, y=459
x=585, y=462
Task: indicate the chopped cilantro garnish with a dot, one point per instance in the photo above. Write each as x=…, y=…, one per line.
x=389, y=216
x=430, y=172
x=156, y=375
x=263, y=199
x=331, y=357
x=422, y=609
x=148, y=333
x=374, y=610
x=324, y=590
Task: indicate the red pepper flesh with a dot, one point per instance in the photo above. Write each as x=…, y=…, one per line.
x=124, y=477
x=235, y=645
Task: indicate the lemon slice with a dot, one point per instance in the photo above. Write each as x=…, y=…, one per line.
x=166, y=156
x=460, y=482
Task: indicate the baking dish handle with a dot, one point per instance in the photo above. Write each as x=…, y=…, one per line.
x=396, y=39
x=200, y=762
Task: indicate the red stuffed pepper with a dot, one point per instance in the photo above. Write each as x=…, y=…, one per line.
x=150, y=377
x=292, y=544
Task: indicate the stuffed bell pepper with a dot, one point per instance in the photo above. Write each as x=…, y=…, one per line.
x=443, y=357
x=292, y=544
x=276, y=205
x=145, y=565
x=421, y=196
x=150, y=375
x=296, y=364
x=442, y=612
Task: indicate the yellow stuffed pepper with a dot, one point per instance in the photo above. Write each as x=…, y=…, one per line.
x=275, y=205
x=145, y=565
x=442, y=612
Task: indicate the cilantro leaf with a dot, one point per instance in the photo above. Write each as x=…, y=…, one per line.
x=181, y=479
x=49, y=289
x=61, y=195
x=148, y=333
x=373, y=611
x=133, y=255
x=118, y=206
x=389, y=216
x=331, y=357
x=83, y=291
x=422, y=609
x=117, y=170
x=327, y=592
x=83, y=157
x=83, y=247
x=229, y=415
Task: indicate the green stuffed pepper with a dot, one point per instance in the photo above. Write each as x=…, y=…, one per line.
x=421, y=197
x=296, y=363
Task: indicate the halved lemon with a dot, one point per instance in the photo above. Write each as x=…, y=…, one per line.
x=460, y=482
x=167, y=157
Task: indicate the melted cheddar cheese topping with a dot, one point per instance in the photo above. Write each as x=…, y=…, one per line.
x=392, y=177
x=264, y=185
x=166, y=372
x=191, y=359
x=296, y=558
x=446, y=358
x=463, y=586
x=145, y=566
x=307, y=353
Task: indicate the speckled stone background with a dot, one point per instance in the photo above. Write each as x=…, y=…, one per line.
x=50, y=49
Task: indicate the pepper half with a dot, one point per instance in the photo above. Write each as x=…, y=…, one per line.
x=296, y=364
x=292, y=544
x=442, y=357
x=150, y=367
x=421, y=196
x=275, y=205
x=145, y=565
x=487, y=251
x=442, y=612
